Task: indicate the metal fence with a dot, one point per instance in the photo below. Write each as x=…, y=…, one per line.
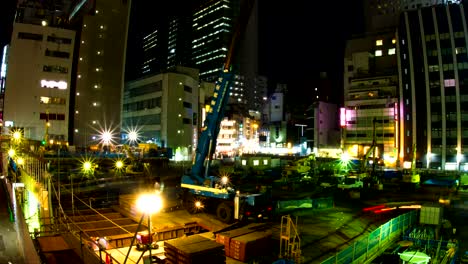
x=362, y=249
x=318, y=203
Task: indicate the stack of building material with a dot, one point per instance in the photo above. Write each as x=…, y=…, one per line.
x=245, y=243
x=250, y=245
x=193, y=249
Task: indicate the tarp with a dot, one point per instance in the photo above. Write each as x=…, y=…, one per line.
x=441, y=182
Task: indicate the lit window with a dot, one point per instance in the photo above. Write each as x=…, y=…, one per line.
x=45, y=100
x=391, y=51
x=378, y=53
x=97, y=11
x=449, y=83
x=379, y=42
x=77, y=112
x=79, y=76
x=76, y=130
x=82, y=42
x=81, y=59
x=393, y=41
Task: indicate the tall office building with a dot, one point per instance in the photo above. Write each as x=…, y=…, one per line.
x=432, y=44
x=100, y=59
x=385, y=14
x=196, y=36
x=371, y=96
x=214, y=23
x=41, y=49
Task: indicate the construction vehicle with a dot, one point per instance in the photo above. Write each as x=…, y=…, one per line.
x=411, y=179
x=200, y=191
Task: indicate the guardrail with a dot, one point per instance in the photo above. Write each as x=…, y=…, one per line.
x=364, y=249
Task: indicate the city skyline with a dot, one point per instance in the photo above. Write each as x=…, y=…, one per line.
x=283, y=31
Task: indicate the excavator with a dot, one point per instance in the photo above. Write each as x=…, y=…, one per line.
x=201, y=191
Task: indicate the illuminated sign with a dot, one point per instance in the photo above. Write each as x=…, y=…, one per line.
x=62, y=85
x=342, y=117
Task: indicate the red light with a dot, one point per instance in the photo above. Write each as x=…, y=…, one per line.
x=248, y=213
x=384, y=210
x=373, y=208
x=269, y=208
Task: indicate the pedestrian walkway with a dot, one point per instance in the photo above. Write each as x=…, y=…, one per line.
x=16, y=246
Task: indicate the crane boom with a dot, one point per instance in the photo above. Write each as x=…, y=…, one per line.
x=207, y=141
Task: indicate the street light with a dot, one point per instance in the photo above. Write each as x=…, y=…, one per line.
x=119, y=166
x=149, y=203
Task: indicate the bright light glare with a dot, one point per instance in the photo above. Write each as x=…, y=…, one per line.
x=106, y=137
x=16, y=135
x=11, y=153
x=345, y=157
x=133, y=136
x=149, y=203
x=119, y=164
x=87, y=165
x=20, y=161
x=224, y=180
x=198, y=204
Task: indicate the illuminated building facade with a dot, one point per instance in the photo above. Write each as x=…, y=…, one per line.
x=432, y=45
x=100, y=66
x=213, y=25
x=38, y=77
x=371, y=93
x=164, y=108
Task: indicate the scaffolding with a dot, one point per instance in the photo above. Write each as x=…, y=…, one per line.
x=290, y=242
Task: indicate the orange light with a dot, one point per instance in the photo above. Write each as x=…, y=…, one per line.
x=373, y=208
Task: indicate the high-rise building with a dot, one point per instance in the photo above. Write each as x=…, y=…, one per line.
x=385, y=14
x=100, y=59
x=197, y=36
x=41, y=49
x=432, y=50
x=371, y=96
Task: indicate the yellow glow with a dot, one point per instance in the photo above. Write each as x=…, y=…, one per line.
x=17, y=135
x=414, y=206
x=149, y=203
x=20, y=161
x=407, y=165
x=224, y=180
x=87, y=165
x=119, y=164
x=11, y=153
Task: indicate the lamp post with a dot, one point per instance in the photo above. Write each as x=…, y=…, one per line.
x=149, y=204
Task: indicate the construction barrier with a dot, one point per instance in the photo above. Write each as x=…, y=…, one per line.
x=363, y=249
x=291, y=205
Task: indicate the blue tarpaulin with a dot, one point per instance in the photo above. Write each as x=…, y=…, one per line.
x=441, y=182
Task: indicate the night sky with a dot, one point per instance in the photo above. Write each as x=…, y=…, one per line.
x=304, y=38
x=298, y=38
